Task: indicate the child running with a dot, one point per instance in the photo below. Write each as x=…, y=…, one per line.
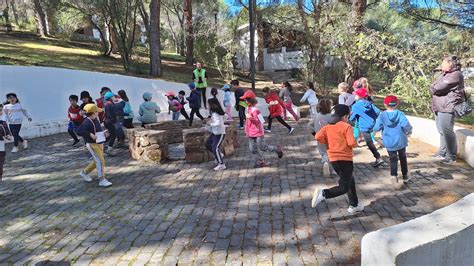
x=127, y=109
x=112, y=112
x=322, y=118
x=344, y=96
x=395, y=129
x=13, y=113
x=275, y=107
x=310, y=96
x=101, y=103
x=148, y=110
x=195, y=103
x=340, y=141
x=285, y=94
x=4, y=134
x=254, y=131
x=227, y=103
x=174, y=105
x=364, y=113
x=217, y=128
x=183, y=102
x=94, y=137
x=75, y=118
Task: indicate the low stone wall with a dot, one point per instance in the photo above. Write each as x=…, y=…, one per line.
x=150, y=144
x=174, y=129
x=443, y=237
x=195, y=141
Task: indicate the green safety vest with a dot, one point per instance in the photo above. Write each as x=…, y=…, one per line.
x=200, y=74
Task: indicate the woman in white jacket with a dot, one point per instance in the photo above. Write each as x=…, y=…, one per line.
x=310, y=96
x=217, y=128
x=13, y=113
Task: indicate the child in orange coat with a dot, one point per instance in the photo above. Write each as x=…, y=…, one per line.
x=339, y=138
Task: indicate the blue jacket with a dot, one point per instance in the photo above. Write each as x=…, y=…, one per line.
x=366, y=113
x=148, y=111
x=127, y=109
x=195, y=99
x=227, y=96
x=395, y=128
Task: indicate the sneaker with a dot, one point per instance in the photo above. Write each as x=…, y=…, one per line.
x=291, y=131
x=109, y=151
x=406, y=180
x=326, y=170
x=25, y=144
x=448, y=161
x=15, y=149
x=104, y=183
x=378, y=162
x=279, y=151
x=75, y=142
x=356, y=209
x=317, y=197
x=396, y=182
x=267, y=130
x=86, y=177
x=437, y=156
x=240, y=128
x=261, y=164
x=220, y=167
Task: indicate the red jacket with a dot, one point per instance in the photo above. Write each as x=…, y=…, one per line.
x=74, y=114
x=100, y=104
x=274, y=104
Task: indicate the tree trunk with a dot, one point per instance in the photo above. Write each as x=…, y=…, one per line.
x=145, y=18
x=188, y=13
x=155, y=58
x=252, y=8
x=15, y=12
x=40, y=18
x=352, y=71
x=260, y=44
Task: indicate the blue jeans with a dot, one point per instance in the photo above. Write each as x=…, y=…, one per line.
x=119, y=131
x=175, y=115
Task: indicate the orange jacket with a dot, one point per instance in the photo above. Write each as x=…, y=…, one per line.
x=339, y=139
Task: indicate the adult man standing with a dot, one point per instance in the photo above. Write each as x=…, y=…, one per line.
x=200, y=81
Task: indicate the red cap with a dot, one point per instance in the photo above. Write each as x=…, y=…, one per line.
x=170, y=93
x=249, y=94
x=362, y=92
x=391, y=100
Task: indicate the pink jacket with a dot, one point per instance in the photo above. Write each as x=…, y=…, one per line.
x=253, y=126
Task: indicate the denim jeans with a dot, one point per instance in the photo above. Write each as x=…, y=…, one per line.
x=175, y=115
x=112, y=133
x=447, y=141
x=394, y=157
x=346, y=183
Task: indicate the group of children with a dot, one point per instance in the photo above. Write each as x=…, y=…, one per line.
x=337, y=138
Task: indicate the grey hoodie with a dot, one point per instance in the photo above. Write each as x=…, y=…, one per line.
x=148, y=111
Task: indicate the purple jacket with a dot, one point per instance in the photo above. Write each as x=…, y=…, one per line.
x=447, y=91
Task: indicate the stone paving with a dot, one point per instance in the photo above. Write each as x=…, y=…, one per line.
x=180, y=213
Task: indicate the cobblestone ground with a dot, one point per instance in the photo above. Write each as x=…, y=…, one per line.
x=179, y=213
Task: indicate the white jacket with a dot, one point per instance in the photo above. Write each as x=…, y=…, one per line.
x=13, y=113
x=310, y=95
x=216, y=124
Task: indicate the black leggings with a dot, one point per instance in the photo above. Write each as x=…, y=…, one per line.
x=15, y=130
x=279, y=119
x=402, y=156
x=128, y=122
x=112, y=133
x=191, y=115
x=183, y=112
x=346, y=182
x=203, y=96
x=241, y=111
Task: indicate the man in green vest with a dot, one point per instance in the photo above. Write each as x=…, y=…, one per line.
x=200, y=81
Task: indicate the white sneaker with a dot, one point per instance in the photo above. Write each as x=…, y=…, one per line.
x=104, y=183
x=326, y=170
x=110, y=151
x=317, y=197
x=86, y=177
x=15, y=149
x=25, y=144
x=357, y=209
x=291, y=131
x=220, y=167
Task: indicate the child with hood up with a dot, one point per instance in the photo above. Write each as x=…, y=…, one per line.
x=148, y=110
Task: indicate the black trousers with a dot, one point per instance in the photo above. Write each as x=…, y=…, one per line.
x=112, y=133
x=370, y=144
x=72, y=134
x=128, y=122
x=346, y=182
x=183, y=112
x=241, y=111
x=191, y=115
x=213, y=144
x=394, y=157
x=203, y=96
x=279, y=119
x=15, y=130
x=2, y=161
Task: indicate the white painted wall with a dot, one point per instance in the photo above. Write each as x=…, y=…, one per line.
x=426, y=131
x=44, y=92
